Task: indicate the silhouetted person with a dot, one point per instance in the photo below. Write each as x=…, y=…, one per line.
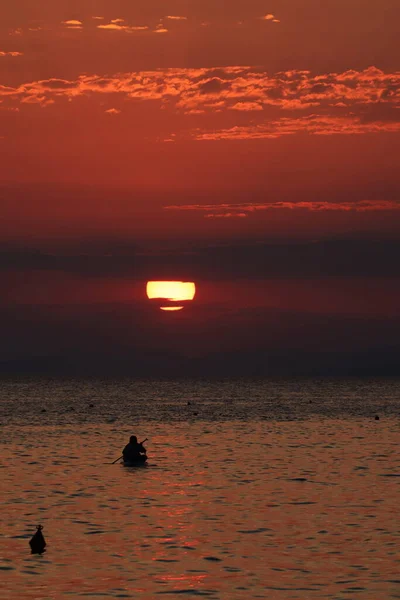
x=134, y=450
x=37, y=542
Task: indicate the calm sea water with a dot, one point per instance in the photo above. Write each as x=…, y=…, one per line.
x=262, y=489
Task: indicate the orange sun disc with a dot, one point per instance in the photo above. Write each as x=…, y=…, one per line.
x=172, y=291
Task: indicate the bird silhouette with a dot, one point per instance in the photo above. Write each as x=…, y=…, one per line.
x=37, y=542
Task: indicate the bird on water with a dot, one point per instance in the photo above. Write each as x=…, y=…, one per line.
x=37, y=542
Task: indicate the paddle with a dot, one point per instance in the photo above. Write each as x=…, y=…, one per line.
x=119, y=458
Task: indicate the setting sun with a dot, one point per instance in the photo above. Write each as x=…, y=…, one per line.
x=173, y=291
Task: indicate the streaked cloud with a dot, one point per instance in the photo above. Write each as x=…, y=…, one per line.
x=313, y=124
x=111, y=26
x=245, y=209
x=13, y=54
x=73, y=24
x=175, y=18
x=116, y=25
x=227, y=215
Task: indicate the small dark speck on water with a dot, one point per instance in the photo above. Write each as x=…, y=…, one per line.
x=376, y=417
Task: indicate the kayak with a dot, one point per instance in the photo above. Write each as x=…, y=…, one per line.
x=137, y=462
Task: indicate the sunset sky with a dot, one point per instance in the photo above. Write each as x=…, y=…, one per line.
x=252, y=147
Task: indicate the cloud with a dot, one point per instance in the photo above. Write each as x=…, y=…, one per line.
x=313, y=124
x=43, y=101
x=96, y=18
x=175, y=18
x=7, y=91
x=111, y=26
x=358, y=92
x=215, y=85
x=14, y=54
x=270, y=17
x=241, y=210
x=284, y=103
x=112, y=111
x=228, y=215
x=246, y=106
x=57, y=84
x=73, y=24
x=115, y=25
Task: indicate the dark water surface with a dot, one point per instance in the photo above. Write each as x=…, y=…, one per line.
x=258, y=489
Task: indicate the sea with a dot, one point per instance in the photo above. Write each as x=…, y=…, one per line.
x=274, y=489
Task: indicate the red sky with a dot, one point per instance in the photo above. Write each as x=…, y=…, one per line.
x=140, y=128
